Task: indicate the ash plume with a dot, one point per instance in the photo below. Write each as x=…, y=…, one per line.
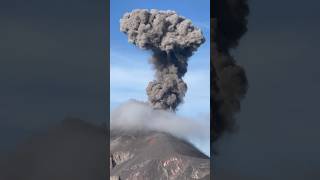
x=229, y=84
x=172, y=40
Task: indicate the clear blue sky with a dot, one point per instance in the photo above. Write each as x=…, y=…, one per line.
x=130, y=70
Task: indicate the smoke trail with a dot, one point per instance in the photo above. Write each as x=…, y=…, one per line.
x=172, y=39
x=230, y=82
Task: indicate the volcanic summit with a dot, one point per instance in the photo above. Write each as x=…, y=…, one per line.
x=150, y=155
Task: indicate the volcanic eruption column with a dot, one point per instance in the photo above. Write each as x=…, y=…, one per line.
x=230, y=82
x=172, y=40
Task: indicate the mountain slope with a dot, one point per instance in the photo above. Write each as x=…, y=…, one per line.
x=155, y=155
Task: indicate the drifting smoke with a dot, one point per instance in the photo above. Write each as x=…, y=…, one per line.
x=172, y=40
x=229, y=83
x=140, y=116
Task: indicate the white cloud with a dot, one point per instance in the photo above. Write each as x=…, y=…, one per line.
x=138, y=116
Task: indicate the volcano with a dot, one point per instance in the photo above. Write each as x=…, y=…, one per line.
x=149, y=155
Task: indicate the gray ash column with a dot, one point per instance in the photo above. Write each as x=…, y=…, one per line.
x=172, y=40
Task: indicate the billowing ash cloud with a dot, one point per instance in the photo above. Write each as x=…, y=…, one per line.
x=230, y=82
x=172, y=40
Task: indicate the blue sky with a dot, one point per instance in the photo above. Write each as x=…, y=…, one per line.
x=130, y=71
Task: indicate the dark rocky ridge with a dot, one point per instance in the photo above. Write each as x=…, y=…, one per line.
x=155, y=155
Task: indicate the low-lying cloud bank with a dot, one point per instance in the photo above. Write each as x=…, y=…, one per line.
x=135, y=115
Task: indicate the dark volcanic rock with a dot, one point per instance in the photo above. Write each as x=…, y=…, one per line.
x=155, y=155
